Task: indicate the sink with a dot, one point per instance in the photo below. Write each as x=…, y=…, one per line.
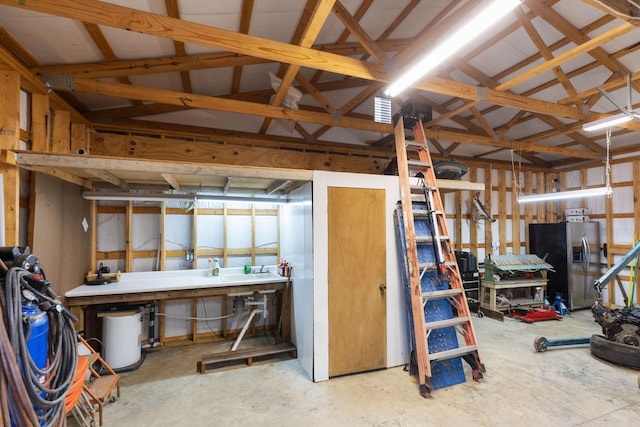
x=244, y=277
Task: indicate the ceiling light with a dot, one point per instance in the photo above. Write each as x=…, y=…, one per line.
x=564, y=195
x=456, y=41
x=148, y=197
x=136, y=197
x=609, y=122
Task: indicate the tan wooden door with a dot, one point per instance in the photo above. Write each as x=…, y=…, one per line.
x=357, y=280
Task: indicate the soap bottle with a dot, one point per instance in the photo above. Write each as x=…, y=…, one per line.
x=209, y=268
x=216, y=267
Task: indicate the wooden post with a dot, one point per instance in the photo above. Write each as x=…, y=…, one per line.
x=10, y=140
x=195, y=236
x=79, y=137
x=502, y=210
x=563, y=187
x=540, y=189
x=253, y=234
x=488, y=190
x=225, y=220
x=528, y=208
x=40, y=123
x=551, y=207
x=473, y=227
x=515, y=215
x=93, y=235
x=458, y=219
x=163, y=241
x=128, y=261
x=61, y=132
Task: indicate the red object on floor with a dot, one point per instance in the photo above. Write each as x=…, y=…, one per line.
x=536, y=315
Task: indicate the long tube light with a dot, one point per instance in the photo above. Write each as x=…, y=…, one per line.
x=608, y=122
x=141, y=197
x=564, y=195
x=456, y=41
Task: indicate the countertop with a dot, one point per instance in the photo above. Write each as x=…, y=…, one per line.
x=158, y=281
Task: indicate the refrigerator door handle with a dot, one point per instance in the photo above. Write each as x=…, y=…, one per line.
x=587, y=253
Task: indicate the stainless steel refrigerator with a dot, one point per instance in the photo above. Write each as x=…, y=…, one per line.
x=573, y=249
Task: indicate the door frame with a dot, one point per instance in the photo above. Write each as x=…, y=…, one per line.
x=397, y=349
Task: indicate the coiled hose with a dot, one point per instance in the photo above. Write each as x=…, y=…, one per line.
x=30, y=402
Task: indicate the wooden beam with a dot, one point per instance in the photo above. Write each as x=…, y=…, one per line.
x=28, y=159
x=358, y=32
x=586, y=47
x=63, y=175
x=9, y=140
x=162, y=26
x=108, y=177
x=79, y=138
x=491, y=142
x=229, y=156
x=565, y=27
x=61, y=132
x=171, y=180
x=33, y=84
x=220, y=104
x=145, y=66
x=309, y=29
x=245, y=21
x=40, y=122
x=306, y=84
x=545, y=51
x=174, y=12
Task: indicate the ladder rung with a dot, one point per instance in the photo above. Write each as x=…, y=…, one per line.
x=429, y=239
x=438, y=324
x=455, y=352
x=419, y=189
x=414, y=145
x=444, y=293
x=417, y=164
x=430, y=266
x=423, y=240
x=422, y=213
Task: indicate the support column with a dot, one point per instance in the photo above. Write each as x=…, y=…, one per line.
x=10, y=140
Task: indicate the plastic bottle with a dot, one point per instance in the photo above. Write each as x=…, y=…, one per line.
x=216, y=267
x=209, y=268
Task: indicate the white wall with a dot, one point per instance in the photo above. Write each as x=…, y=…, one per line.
x=397, y=349
x=296, y=246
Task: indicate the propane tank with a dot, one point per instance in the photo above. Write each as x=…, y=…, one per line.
x=38, y=335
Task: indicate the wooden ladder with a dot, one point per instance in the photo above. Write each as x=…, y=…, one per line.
x=438, y=312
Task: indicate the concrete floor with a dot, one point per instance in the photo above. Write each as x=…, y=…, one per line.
x=561, y=387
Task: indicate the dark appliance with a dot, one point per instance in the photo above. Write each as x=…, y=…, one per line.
x=573, y=249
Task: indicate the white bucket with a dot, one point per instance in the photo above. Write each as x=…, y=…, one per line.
x=121, y=336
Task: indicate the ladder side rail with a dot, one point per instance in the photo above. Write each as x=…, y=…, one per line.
x=455, y=278
x=422, y=350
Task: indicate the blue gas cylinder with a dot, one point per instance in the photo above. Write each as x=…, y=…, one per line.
x=38, y=338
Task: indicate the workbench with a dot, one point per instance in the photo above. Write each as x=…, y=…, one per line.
x=489, y=291
x=162, y=286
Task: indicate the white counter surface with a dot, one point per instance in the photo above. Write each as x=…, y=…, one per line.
x=158, y=281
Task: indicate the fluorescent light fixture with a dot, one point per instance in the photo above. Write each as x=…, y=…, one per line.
x=609, y=122
x=148, y=197
x=564, y=195
x=136, y=197
x=456, y=41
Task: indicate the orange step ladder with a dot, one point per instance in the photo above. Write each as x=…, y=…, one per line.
x=439, y=320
